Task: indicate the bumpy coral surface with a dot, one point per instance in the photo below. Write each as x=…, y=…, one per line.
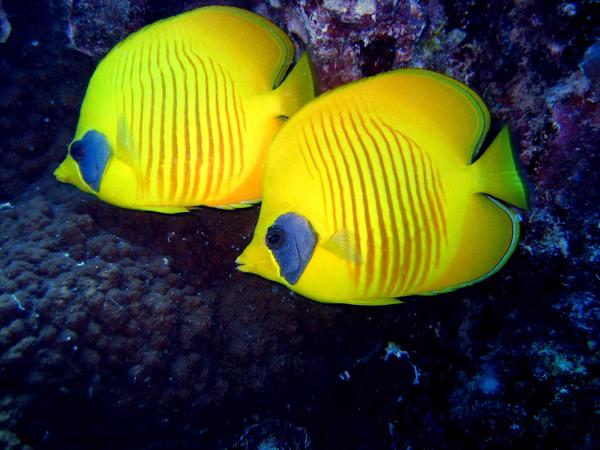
x=123, y=329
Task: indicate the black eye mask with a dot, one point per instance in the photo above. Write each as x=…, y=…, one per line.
x=92, y=153
x=292, y=241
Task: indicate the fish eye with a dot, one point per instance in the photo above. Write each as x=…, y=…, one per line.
x=77, y=150
x=275, y=237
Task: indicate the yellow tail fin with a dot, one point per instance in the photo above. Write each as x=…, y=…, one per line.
x=499, y=174
x=298, y=88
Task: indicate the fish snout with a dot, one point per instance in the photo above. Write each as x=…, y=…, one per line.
x=255, y=259
x=66, y=171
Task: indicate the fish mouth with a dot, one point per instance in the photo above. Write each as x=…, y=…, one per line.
x=254, y=260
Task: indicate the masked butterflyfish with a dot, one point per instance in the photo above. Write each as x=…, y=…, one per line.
x=377, y=190
x=181, y=112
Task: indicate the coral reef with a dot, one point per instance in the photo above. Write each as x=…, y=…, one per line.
x=41, y=87
x=120, y=318
x=123, y=329
x=95, y=27
x=351, y=39
x=273, y=434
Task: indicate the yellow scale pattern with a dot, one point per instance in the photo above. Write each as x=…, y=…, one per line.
x=391, y=198
x=185, y=112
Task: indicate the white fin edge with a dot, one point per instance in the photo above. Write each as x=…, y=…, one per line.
x=242, y=204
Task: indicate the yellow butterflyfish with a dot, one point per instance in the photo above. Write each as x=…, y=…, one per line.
x=378, y=190
x=181, y=112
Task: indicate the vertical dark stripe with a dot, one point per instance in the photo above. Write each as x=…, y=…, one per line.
x=391, y=239
x=302, y=152
x=432, y=206
x=363, y=191
x=338, y=187
x=352, y=202
x=140, y=129
x=227, y=117
x=373, y=255
x=426, y=206
x=426, y=231
x=218, y=172
x=113, y=78
x=130, y=118
x=402, y=258
x=122, y=79
x=309, y=149
x=439, y=196
x=208, y=162
x=325, y=164
x=187, y=172
x=243, y=113
x=194, y=187
x=416, y=246
x=160, y=178
x=239, y=159
x=174, y=159
x=151, y=148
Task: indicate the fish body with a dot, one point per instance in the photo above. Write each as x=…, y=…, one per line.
x=377, y=190
x=181, y=112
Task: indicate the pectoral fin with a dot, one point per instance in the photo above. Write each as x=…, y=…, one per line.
x=343, y=244
x=125, y=143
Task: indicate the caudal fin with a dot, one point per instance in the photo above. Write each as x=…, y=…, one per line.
x=298, y=87
x=499, y=174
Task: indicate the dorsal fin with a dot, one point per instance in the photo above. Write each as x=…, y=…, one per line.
x=237, y=34
x=422, y=103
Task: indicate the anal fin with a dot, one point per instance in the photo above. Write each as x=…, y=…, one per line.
x=374, y=302
x=164, y=209
x=242, y=204
x=491, y=234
